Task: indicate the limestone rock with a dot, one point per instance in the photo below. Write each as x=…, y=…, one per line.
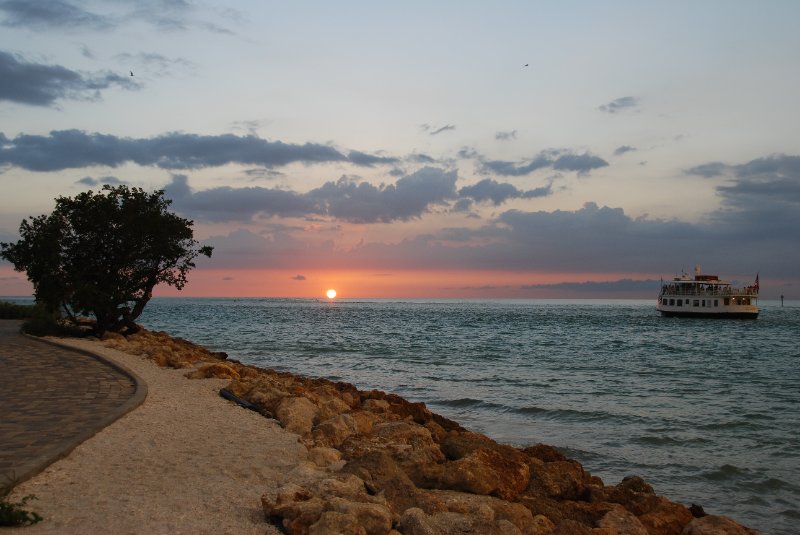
x=622, y=522
x=716, y=525
x=667, y=518
x=215, y=370
x=339, y=523
x=483, y=471
x=296, y=414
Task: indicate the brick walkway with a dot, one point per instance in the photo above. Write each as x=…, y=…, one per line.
x=52, y=399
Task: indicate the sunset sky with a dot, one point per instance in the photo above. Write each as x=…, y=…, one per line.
x=420, y=149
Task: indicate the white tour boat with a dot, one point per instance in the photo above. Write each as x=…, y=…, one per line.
x=707, y=296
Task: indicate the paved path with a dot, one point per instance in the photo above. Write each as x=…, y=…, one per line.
x=52, y=399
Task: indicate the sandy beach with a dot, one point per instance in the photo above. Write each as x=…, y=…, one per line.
x=185, y=461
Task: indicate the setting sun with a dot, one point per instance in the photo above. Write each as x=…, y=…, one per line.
x=331, y=293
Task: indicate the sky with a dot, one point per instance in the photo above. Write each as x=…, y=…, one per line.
x=507, y=149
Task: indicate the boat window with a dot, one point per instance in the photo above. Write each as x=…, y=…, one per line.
x=696, y=302
x=716, y=302
x=672, y=302
x=727, y=301
x=680, y=302
x=746, y=301
x=704, y=302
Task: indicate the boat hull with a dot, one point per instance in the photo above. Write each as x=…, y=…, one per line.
x=719, y=315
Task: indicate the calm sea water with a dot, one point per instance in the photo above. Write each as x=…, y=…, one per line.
x=707, y=411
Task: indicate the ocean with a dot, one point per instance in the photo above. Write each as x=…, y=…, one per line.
x=707, y=411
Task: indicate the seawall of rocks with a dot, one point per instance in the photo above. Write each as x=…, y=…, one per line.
x=379, y=464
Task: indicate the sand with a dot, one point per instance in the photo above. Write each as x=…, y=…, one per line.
x=185, y=461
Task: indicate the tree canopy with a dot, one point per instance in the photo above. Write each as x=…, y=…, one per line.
x=103, y=253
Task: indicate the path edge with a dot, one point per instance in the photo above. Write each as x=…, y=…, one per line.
x=138, y=397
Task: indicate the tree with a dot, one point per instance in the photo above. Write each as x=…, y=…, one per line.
x=103, y=253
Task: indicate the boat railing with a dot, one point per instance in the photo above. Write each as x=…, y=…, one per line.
x=682, y=289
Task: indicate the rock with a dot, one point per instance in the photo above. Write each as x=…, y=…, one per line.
x=622, y=522
x=666, y=518
x=545, y=453
x=483, y=471
x=375, y=518
x=697, y=510
x=487, y=509
x=558, y=479
x=216, y=371
x=542, y=525
x=716, y=525
x=572, y=527
x=415, y=521
x=324, y=457
x=296, y=414
x=382, y=475
x=333, y=522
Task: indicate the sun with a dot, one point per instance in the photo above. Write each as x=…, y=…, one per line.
x=331, y=293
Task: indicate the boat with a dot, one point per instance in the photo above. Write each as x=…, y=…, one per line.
x=706, y=296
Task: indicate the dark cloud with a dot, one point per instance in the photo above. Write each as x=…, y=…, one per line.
x=556, y=159
x=45, y=14
x=408, y=198
x=496, y=192
x=42, y=85
x=434, y=130
x=346, y=199
x=708, y=170
x=237, y=204
x=299, y=278
x=164, y=15
x=369, y=160
x=617, y=288
x=623, y=149
x=65, y=149
x=761, y=202
x=506, y=136
x=581, y=163
x=619, y=104
x=89, y=181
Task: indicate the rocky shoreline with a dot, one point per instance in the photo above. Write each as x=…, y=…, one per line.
x=379, y=464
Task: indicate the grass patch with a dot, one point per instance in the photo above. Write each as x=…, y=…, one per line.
x=14, y=311
x=15, y=513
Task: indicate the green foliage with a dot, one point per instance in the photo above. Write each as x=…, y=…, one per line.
x=103, y=253
x=14, y=311
x=44, y=322
x=14, y=513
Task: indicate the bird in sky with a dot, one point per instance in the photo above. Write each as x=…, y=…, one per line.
x=523, y=66
x=131, y=73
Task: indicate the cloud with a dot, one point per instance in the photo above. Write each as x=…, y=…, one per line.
x=506, y=136
x=708, y=170
x=345, y=199
x=434, y=130
x=299, y=278
x=42, y=85
x=617, y=288
x=369, y=160
x=619, y=104
x=164, y=15
x=89, y=181
x=66, y=149
x=408, y=198
x=155, y=65
x=496, y=192
x=237, y=204
x=45, y=14
x=581, y=163
x=559, y=160
x=623, y=149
